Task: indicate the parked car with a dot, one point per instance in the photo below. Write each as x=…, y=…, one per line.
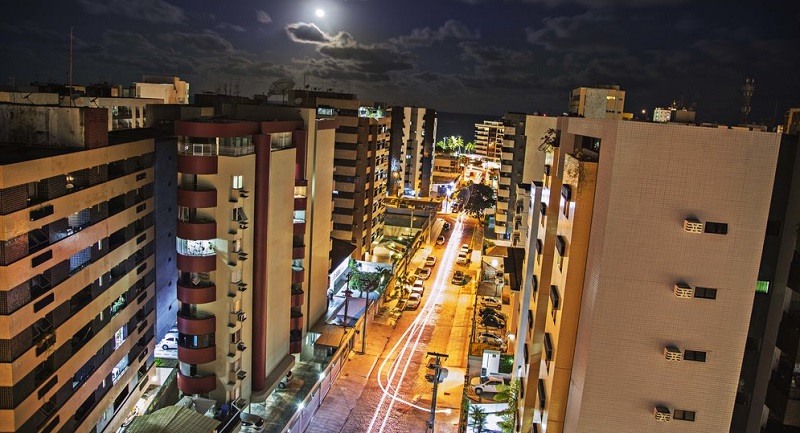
x=465, y=248
x=490, y=302
x=440, y=240
x=493, y=322
x=462, y=259
x=251, y=422
x=413, y=301
x=458, y=277
x=430, y=261
x=286, y=380
x=418, y=287
x=489, y=384
x=446, y=226
x=493, y=340
x=424, y=273
x=170, y=341
x=489, y=311
x=456, y=208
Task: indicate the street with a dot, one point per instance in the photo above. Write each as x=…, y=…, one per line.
x=394, y=396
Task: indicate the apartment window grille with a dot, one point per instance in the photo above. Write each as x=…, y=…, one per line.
x=694, y=355
x=683, y=415
x=705, y=293
x=716, y=228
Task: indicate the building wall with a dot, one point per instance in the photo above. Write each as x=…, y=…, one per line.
x=166, y=213
x=639, y=250
x=605, y=102
x=53, y=126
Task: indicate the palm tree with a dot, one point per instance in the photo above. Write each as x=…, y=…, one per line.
x=478, y=415
x=508, y=394
x=469, y=147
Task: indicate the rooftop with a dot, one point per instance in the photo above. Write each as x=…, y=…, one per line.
x=173, y=419
x=13, y=153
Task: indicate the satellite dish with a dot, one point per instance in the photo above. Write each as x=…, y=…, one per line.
x=280, y=87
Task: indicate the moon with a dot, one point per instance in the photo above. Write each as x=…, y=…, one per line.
x=319, y=13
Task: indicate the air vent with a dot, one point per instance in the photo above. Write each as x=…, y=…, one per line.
x=692, y=225
x=662, y=413
x=683, y=290
x=672, y=353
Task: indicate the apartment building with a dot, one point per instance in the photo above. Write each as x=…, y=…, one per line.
x=413, y=135
x=243, y=255
x=361, y=165
x=768, y=397
x=170, y=90
x=654, y=264
x=600, y=102
x=77, y=292
x=489, y=139
x=521, y=162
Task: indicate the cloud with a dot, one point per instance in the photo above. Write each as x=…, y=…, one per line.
x=206, y=42
x=154, y=11
x=588, y=32
x=592, y=3
x=309, y=33
x=263, y=17
x=229, y=26
x=426, y=37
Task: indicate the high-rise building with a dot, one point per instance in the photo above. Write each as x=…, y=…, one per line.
x=521, y=162
x=361, y=162
x=77, y=271
x=489, y=139
x=413, y=135
x=654, y=246
x=250, y=267
x=601, y=102
x=768, y=397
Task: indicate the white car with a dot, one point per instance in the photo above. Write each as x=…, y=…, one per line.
x=418, y=287
x=440, y=240
x=465, y=248
x=430, y=261
x=424, y=273
x=490, y=302
x=493, y=340
x=490, y=384
x=413, y=301
x=462, y=258
x=169, y=342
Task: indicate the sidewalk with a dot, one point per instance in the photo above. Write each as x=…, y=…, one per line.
x=335, y=410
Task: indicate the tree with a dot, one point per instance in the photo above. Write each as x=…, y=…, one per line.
x=366, y=282
x=550, y=140
x=478, y=416
x=508, y=394
x=477, y=199
x=469, y=147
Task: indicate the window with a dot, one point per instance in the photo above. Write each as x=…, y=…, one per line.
x=694, y=355
x=561, y=246
x=548, y=347
x=542, y=397
x=762, y=286
x=716, y=228
x=555, y=299
x=184, y=213
x=237, y=182
x=538, y=246
x=535, y=283
x=237, y=214
x=705, y=293
x=684, y=415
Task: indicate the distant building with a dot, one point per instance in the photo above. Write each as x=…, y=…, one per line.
x=413, y=135
x=673, y=114
x=601, y=102
x=792, y=125
x=171, y=90
x=662, y=115
x=489, y=139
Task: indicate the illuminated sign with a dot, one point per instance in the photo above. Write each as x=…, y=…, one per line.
x=371, y=112
x=326, y=111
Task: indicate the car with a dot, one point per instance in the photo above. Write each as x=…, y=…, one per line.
x=430, y=261
x=418, y=287
x=424, y=273
x=170, y=341
x=462, y=259
x=286, y=380
x=465, y=248
x=446, y=226
x=489, y=384
x=456, y=208
x=490, y=302
x=489, y=311
x=413, y=301
x=493, y=340
x=493, y=322
x=251, y=422
x=458, y=277
x=440, y=240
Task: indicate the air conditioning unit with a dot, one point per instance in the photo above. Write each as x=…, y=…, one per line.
x=241, y=347
x=241, y=374
x=683, y=290
x=692, y=225
x=241, y=316
x=662, y=413
x=672, y=353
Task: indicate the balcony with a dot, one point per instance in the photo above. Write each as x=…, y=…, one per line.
x=300, y=203
x=196, y=164
x=296, y=321
x=299, y=227
x=199, y=294
x=197, y=229
x=197, y=198
x=197, y=356
x=197, y=324
x=298, y=298
x=298, y=275
x=298, y=252
x=197, y=384
x=295, y=347
x=197, y=263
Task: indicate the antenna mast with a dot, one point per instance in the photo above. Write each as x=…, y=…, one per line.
x=747, y=92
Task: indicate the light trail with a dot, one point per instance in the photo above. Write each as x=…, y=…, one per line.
x=414, y=333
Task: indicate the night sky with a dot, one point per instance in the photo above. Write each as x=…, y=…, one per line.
x=471, y=56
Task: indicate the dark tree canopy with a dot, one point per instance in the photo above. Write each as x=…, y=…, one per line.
x=478, y=198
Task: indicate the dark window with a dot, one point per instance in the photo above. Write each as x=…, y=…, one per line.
x=716, y=228
x=566, y=192
x=685, y=415
x=542, y=397
x=535, y=283
x=41, y=212
x=547, y=169
x=561, y=245
x=41, y=258
x=705, y=293
x=555, y=298
x=543, y=209
x=538, y=246
x=548, y=347
x=694, y=355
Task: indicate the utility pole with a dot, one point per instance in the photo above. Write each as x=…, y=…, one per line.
x=438, y=376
